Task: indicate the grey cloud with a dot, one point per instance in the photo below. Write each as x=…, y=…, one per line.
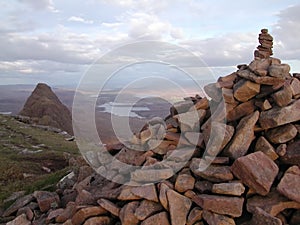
x=65, y=49
x=286, y=33
x=228, y=50
x=39, y=4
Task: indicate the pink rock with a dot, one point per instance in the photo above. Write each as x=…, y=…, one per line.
x=257, y=171
x=289, y=185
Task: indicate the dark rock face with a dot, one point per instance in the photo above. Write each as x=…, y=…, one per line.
x=44, y=108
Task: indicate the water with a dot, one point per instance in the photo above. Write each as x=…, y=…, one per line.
x=5, y=113
x=122, y=109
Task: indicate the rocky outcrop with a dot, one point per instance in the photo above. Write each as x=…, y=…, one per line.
x=44, y=108
x=233, y=159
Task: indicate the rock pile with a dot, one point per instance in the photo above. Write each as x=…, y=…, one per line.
x=246, y=137
x=264, y=50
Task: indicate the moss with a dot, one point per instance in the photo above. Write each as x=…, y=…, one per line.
x=20, y=168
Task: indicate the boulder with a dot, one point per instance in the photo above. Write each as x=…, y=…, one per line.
x=289, y=185
x=232, y=206
x=278, y=116
x=179, y=207
x=245, y=90
x=259, y=177
x=243, y=137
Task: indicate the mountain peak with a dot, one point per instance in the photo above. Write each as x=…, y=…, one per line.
x=45, y=108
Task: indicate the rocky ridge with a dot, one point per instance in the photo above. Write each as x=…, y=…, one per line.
x=248, y=133
x=43, y=107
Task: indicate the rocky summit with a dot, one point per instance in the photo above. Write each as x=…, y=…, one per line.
x=230, y=158
x=43, y=107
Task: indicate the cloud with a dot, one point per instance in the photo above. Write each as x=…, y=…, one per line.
x=40, y=4
x=80, y=19
x=60, y=46
x=286, y=32
x=146, y=6
x=226, y=50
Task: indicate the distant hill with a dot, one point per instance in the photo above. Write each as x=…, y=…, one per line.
x=45, y=108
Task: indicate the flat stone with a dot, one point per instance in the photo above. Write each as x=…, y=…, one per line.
x=234, y=188
x=280, y=116
x=262, y=217
x=67, y=213
x=146, y=209
x=280, y=71
x=84, y=213
x=21, y=202
x=177, y=138
x=226, y=81
x=151, y=175
x=180, y=107
x=282, y=134
x=53, y=214
x=20, y=220
x=102, y=220
x=245, y=90
x=163, y=188
x=289, y=185
x=191, y=120
x=257, y=171
x=232, y=206
x=211, y=173
x=179, y=207
x=109, y=206
x=184, y=182
x=284, y=96
x=267, y=80
x=203, y=186
x=161, y=147
x=263, y=105
x=201, y=104
x=228, y=96
x=243, y=137
x=292, y=155
x=159, y=218
x=85, y=198
x=182, y=155
x=273, y=203
x=281, y=149
x=264, y=146
x=194, y=216
x=131, y=157
x=217, y=219
x=146, y=191
x=212, y=91
x=127, y=215
x=195, y=138
x=295, y=87
x=267, y=90
x=243, y=109
x=221, y=160
x=46, y=200
x=217, y=137
x=259, y=65
x=28, y=212
x=126, y=194
x=145, y=136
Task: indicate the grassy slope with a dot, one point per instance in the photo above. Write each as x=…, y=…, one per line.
x=23, y=171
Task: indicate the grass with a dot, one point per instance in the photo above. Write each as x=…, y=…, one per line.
x=20, y=168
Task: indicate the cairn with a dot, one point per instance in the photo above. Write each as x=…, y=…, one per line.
x=264, y=50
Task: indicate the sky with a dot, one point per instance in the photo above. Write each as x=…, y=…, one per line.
x=57, y=41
